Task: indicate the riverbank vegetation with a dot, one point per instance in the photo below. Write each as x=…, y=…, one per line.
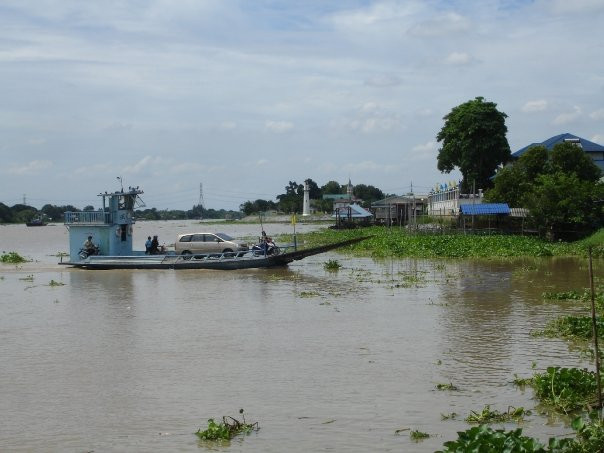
x=399, y=243
x=11, y=258
x=589, y=438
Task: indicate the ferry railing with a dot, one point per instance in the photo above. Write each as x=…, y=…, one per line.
x=240, y=255
x=88, y=218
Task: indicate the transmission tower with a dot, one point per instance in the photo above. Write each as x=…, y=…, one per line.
x=201, y=202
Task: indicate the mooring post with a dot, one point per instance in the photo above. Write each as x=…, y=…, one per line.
x=595, y=331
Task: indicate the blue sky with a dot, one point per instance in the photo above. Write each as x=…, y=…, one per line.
x=244, y=96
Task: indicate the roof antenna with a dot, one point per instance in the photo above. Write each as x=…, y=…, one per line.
x=119, y=178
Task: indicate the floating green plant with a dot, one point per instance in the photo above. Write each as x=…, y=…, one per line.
x=563, y=295
x=565, y=389
x=308, y=294
x=489, y=416
x=55, y=283
x=448, y=386
x=418, y=435
x=227, y=429
x=27, y=278
x=589, y=439
x=450, y=416
x=485, y=439
x=332, y=265
x=573, y=327
x=12, y=258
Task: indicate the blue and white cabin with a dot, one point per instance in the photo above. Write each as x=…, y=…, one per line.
x=110, y=227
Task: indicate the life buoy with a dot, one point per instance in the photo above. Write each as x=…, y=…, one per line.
x=118, y=231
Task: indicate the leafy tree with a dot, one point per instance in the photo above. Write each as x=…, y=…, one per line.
x=570, y=158
x=88, y=208
x=332, y=187
x=562, y=204
x=514, y=182
x=560, y=188
x=249, y=207
x=291, y=200
x=474, y=140
x=368, y=194
x=314, y=191
x=6, y=215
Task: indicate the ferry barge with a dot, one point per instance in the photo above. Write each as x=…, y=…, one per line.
x=111, y=230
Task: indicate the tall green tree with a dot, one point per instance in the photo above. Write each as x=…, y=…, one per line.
x=514, y=182
x=561, y=188
x=474, y=140
x=367, y=193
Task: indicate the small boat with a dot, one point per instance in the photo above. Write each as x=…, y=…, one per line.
x=36, y=222
x=110, y=230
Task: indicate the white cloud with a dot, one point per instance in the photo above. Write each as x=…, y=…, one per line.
x=35, y=167
x=568, y=117
x=278, y=127
x=574, y=6
x=426, y=148
x=369, y=166
x=227, y=125
x=441, y=25
x=535, y=106
x=597, y=115
x=101, y=168
x=186, y=167
x=383, y=80
x=598, y=138
x=458, y=58
x=146, y=163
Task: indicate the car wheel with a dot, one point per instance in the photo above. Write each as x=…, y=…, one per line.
x=186, y=255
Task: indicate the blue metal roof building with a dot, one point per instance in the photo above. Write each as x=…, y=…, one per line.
x=594, y=150
x=485, y=209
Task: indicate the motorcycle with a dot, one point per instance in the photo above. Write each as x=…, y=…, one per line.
x=85, y=253
x=266, y=247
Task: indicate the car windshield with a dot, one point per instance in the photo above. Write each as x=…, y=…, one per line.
x=224, y=237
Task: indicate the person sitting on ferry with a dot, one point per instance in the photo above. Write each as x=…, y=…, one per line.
x=89, y=246
x=154, y=250
x=148, y=246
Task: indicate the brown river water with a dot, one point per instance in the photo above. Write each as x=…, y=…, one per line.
x=324, y=361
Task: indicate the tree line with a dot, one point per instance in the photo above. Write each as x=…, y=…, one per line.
x=21, y=213
x=561, y=188
x=293, y=198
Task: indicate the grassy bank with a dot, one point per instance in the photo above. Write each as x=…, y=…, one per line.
x=386, y=242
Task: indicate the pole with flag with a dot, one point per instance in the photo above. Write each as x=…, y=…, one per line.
x=294, y=225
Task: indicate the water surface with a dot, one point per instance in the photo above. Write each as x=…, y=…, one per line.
x=324, y=361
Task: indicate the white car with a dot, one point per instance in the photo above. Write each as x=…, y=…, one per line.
x=188, y=244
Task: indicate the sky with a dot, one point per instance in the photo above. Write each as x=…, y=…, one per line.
x=239, y=97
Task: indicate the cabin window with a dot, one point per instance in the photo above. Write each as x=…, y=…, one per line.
x=197, y=238
x=186, y=238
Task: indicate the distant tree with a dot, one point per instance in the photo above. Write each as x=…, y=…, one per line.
x=514, y=182
x=6, y=215
x=368, y=194
x=291, y=200
x=253, y=207
x=563, y=205
x=314, y=191
x=561, y=189
x=331, y=187
x=570, y=158
x=88, y=208
x=474, y=140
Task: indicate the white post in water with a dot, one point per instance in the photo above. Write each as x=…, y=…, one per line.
x=306, y=204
